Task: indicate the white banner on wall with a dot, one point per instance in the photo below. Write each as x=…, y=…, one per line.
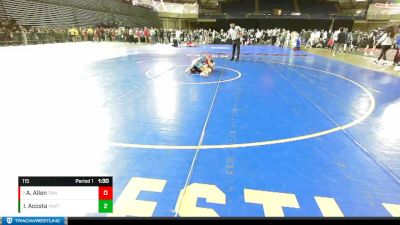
x=384, y=9
x=161, y=6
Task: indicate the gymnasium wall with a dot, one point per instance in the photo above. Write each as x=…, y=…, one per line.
x=290, y=24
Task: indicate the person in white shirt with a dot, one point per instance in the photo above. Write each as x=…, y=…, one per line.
x=259, y=35
x=130, y=35
x=178, y=36
x=235, y=33
x=387, y=40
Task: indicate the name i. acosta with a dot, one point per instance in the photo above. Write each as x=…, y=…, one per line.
x=35, y=206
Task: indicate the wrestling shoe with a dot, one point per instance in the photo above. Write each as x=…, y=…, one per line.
x=203, y=74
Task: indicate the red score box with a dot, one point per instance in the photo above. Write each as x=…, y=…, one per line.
x=105, y=193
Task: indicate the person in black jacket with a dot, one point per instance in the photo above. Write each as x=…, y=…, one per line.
x=341, y=39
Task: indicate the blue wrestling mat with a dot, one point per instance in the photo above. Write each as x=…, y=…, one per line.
x=279, y=133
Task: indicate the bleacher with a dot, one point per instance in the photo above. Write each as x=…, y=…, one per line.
x=317, y=9
x=78, y=13
x=240, y=8
x=279, y=9
x=37, y=14
x=2, y=12
x=267, y=7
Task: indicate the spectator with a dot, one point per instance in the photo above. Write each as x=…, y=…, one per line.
x=386, y=41
x=341, y=39
x=23, y=35
x=396, y=59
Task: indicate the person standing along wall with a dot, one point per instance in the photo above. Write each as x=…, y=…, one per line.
x=339, y=43
x=23, y=35
x=386, y=41
x=396, y=58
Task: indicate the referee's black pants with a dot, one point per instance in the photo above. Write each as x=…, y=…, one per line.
x=236, y=45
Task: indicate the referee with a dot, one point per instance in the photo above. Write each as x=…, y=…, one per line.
x=234, y=34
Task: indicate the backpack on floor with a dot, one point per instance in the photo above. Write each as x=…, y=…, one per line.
x=175, y=43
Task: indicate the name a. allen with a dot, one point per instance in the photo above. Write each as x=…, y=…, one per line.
x=36, y=192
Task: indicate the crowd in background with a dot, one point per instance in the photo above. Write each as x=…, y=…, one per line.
x=339, y=41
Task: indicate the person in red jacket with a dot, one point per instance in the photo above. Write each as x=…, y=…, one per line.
x=146, y=33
